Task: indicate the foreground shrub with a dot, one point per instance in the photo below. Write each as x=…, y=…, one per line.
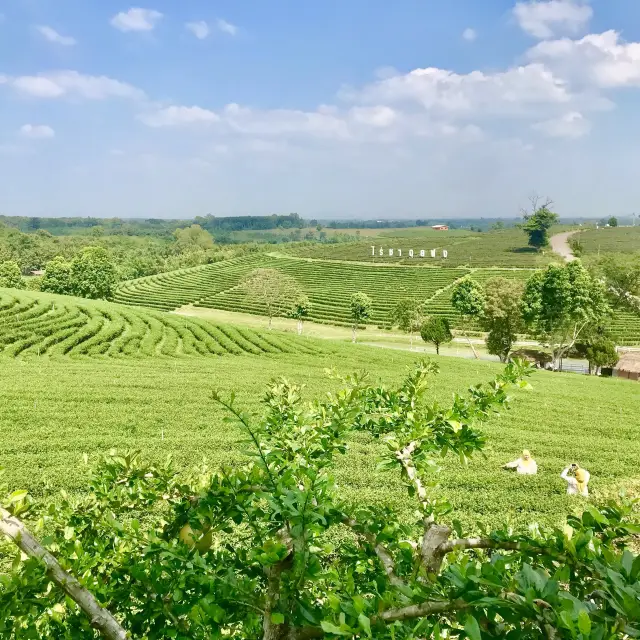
x=269, y=550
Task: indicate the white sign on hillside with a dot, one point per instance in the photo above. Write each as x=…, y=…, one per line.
x=392, y=253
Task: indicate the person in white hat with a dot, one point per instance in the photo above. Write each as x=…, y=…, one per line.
x=525, y=465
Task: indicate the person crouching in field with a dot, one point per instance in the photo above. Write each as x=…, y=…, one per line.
x=524, y=465
x=578, y=483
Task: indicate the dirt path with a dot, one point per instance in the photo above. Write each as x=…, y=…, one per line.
x=560, y=245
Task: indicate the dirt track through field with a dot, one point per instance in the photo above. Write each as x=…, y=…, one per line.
x=560, y=245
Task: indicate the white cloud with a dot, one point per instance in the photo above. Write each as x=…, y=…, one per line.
x=53, y=36
x=374, y=116
x=37, y=131
x=570, y=125
x=226, y=27
x=136, y=19
x=515, y=91
x=547, y=18
x=199, y=29
x=176, y=116
x=599, y=60
x=71, y=83
x=469, y=34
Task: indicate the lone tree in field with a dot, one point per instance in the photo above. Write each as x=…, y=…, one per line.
x=360, y=307
x=612, y=221
x=436, y=330
x=273, y=290
x=561, y=304
x=538, y=221
x=502, y=315
x=407, y=315
x=300, y=310
x=258, y=550
x=10, y=275
x=467, y=299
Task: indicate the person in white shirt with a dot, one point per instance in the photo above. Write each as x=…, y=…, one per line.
x=578, y=482
x=525, y=465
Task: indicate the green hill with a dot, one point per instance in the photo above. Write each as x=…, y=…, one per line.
x=35, y=324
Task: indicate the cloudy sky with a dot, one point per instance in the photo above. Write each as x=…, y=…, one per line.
x=335, y=108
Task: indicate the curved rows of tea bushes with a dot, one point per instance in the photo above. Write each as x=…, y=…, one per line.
x=329, y=286
x=44, y=324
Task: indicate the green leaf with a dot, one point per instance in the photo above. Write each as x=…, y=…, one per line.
x=277, y=618
x=328, y=627
x=365, y=624
x=472, y=628
x=584, y=623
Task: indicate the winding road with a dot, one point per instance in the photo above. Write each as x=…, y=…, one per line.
x=560, y=245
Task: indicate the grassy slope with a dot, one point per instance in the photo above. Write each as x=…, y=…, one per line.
x=54, y=410
x=610, y=240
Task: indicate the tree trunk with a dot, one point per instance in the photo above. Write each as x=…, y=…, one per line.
x=354, y=328
x=437, y=348
x=299, y=327
x=270, y=318
x=410, y=340
x=475, y=353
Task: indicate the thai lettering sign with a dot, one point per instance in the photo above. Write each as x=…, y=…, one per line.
x=411, y=253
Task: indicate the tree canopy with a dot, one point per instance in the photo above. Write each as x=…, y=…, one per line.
x=538, y=221
x=467, y=298
x=273, y=290
x=360, y=307
x=436, y=330
x=502, y=315
x=560, y=303
x=10, y=275
x=300, y=310
x=407, y=314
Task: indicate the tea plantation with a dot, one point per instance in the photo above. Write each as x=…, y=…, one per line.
x=45, y=324
x=329, y=286
x=55, y=409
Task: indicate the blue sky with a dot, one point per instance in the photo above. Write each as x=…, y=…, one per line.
x=358, y=108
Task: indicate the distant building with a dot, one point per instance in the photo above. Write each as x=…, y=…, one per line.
x=440, y=227
x=628, y=366
x=37, y=272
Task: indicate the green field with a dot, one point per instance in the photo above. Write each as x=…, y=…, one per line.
x=610, y=240
x=45, y=324
x=56, y=408
x=506, y=248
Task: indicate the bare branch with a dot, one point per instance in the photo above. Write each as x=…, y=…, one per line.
x=404, y=457
x=475, y=543
x=421, y=610
x=100, y=618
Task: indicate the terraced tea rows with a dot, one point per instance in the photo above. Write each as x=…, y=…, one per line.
x=478, y=250
x=329, y=286
x=45, y=324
